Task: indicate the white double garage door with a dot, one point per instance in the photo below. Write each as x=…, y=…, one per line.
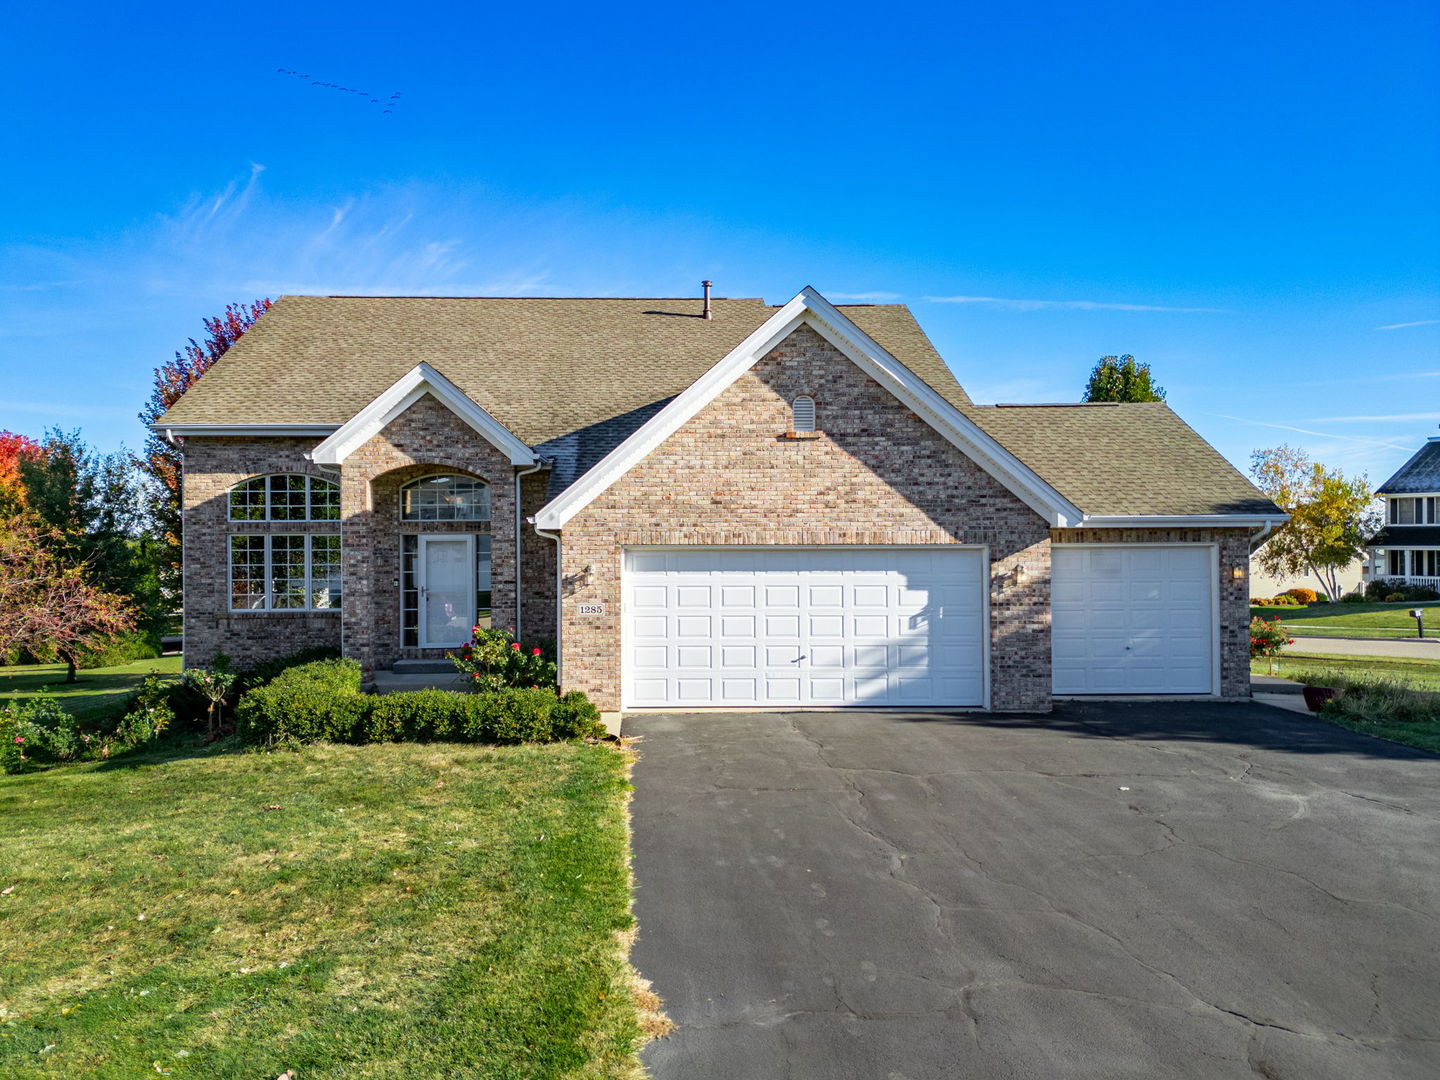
x=737, y=627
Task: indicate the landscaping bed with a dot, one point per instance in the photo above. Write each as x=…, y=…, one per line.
x=396, y=910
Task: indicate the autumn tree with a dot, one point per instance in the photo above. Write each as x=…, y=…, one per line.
x=161, y=461
x=88, y=505
x=48, y=607
x=1121, y=378
x=14, y=450
x=1331, y=516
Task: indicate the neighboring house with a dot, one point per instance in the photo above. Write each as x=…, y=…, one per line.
x=1407, y=549
x=752, y=506
x=1351, y=578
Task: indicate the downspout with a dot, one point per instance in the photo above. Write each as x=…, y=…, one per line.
x=519, y=602
x=559, y=582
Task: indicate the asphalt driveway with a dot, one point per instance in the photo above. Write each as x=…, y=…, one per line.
x=1116, y=890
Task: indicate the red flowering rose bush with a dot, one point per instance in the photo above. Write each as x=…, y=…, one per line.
x=494, y=660
x=1267, y=639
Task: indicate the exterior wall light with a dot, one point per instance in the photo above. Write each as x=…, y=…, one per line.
x=1238, y=573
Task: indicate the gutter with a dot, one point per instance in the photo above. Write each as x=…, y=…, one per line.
x=540, y=463
x=559, y=582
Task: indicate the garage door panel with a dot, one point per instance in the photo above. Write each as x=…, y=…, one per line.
x=843, y=626
x=1133, y=619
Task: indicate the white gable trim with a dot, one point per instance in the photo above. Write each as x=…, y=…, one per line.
x=809, y=307
x=420, y=380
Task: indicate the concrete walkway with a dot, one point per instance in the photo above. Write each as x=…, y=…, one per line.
x=1413, y=648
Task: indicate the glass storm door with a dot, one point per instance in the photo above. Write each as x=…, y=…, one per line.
x=447, y=590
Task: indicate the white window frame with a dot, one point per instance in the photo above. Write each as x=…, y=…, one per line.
x=267, y=477
x=269, y=606
x=489, y=499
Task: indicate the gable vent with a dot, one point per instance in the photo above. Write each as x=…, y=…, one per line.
x=802, y=414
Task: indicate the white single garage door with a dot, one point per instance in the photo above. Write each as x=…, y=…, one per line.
x=784, y=626
x=1133, y=619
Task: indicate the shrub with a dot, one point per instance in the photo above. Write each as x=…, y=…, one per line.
x=1274, y=601
x=316, y=701
x=1303, y=595
x=493, y=660
x=322, y=701
x=121, y=649
x=1357, y=597
x=264, y=672
x=1395, y=590
x=148, y=713
x=1267, y=639
x=38, y=732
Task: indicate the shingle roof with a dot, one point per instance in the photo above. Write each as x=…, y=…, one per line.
x=544, y=368
x=574, y=377
x=1419, y=475
x=1122, y=459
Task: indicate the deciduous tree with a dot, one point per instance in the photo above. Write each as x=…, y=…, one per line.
x=1331, y=516
x=49, y=607
x=1121, y=378
x=14, y=449
x=161, y=461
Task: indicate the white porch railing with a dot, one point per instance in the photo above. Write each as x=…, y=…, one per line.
x=1411, y=579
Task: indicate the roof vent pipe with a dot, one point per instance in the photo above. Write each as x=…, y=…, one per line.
x=706, y=314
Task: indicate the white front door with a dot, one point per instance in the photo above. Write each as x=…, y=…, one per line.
x=1133, y=619
x=447, y=590
x=777, y=626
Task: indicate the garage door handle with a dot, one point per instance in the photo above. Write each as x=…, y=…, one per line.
x=797, y=659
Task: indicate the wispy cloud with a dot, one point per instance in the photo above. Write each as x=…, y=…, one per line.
x=1073, y=305
x=865, y=297
x=1380, y=418
x=1407, y=325
x=1355, y=440
x=39, y=286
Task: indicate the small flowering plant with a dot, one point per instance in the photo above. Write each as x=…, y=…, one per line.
x=493, y=660
x=1267, y=639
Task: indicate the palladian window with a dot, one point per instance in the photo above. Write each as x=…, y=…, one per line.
x=445, y=498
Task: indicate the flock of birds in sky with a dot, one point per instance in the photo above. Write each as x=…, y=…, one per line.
x=387, y=105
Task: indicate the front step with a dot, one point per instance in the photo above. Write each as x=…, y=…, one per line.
x=423, y=667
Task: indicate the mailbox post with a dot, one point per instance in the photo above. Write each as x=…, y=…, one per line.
x=1418, y=614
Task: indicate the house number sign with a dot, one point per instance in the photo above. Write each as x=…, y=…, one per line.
x=592, y=609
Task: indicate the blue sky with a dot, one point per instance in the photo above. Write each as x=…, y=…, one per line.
x=1243, y=195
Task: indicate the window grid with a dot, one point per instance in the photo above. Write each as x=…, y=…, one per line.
x=445, y=498
x=285, y=497
x=285, y=572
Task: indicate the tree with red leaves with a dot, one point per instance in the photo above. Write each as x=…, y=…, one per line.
x=162, y=461
x=49, y=607
x=15, y=450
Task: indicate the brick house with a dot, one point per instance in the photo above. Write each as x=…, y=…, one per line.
x=737, y=506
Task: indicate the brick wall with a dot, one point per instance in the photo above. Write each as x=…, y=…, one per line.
x=877, y=475
x=427, y=438
x=537, y=562
x=1234, y=548
x=212, y=467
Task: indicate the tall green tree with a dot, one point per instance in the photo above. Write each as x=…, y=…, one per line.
x=1331, y=516
x=1121, y=378
x=161, y=462
x=88, y=506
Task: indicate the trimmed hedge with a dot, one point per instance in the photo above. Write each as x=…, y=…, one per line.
x=1394, y=589
x=321, y=701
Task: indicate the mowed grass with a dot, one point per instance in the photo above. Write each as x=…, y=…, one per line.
x=1295, y=663
x=1355, y=620
x=97, y=692
x=357, y=912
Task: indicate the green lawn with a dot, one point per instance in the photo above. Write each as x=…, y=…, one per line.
x=1355, y=620
x=1417, y=674
x=346, y=912
x=97, y=691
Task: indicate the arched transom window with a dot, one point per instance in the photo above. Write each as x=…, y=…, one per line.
x=445, y=498
x=286, y=497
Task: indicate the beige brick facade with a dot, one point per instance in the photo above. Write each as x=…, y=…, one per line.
x=877, y=475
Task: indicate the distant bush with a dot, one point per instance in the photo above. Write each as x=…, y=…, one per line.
x=1274, y=601
x=122, y=649
x=1302, y=595
x=322, y=701
x=1356, y=597
x=1396, y=591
